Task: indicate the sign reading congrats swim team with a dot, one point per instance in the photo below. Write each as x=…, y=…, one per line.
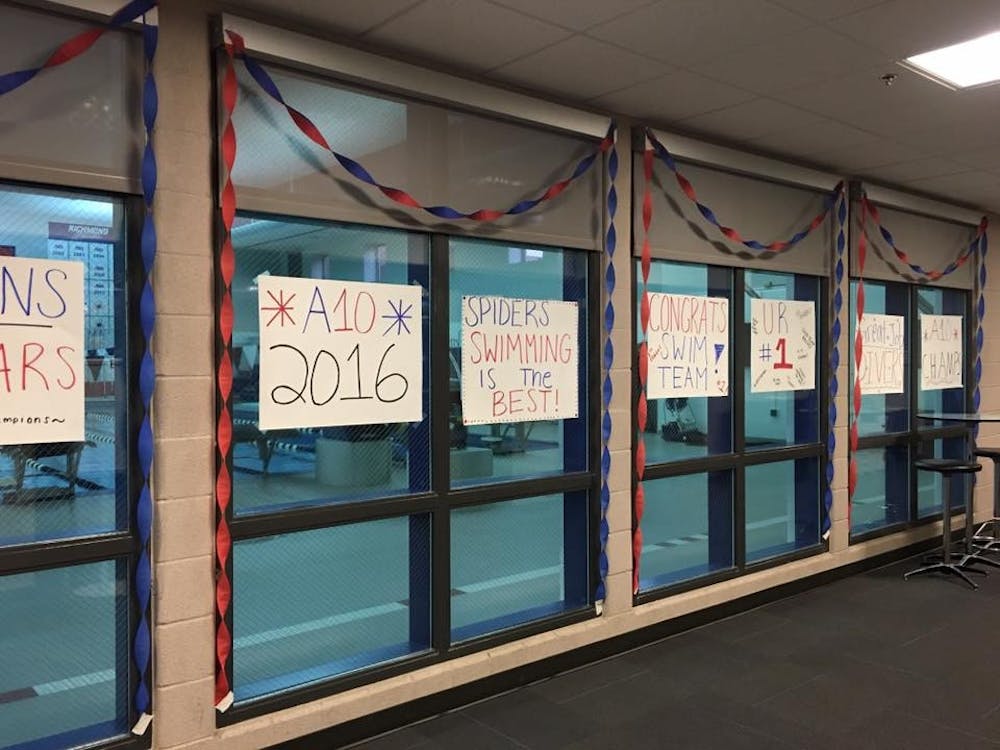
x=339, y=353
x=941, y=360
x=688, y=346
x=519, y=360
x=41, y=351
x=782, y=345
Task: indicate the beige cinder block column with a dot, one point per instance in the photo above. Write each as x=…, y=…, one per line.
x=989, y=386
x=184, y=416
x=619, y=582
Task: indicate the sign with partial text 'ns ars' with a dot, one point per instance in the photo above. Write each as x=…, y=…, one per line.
x=337, y=353
x=41, y=351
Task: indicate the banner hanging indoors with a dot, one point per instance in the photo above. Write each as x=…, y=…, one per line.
x=519, y=360
x=941, y=360
x=882, y=366
x=41, y=351
x=338, y=353
x=782, y=345
x=688, y=346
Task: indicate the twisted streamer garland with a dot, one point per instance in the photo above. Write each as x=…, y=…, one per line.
x=980, y=317
x=224, y=428
x=934, y=274
x=639, y=504
x=610, y=244
x=838, y=306
x=73, y=48
x=312, y=132
x=852, y=475
x=147, y=383
x=728, y=232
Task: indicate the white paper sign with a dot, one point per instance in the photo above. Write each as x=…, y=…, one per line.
x=882, y=337
x=41, y=351
x=941, y=360
x=519, y=360
x=688, y=346
x=782, y=345
x=339, y=353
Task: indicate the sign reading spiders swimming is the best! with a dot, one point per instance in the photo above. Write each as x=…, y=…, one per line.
x=339, y=353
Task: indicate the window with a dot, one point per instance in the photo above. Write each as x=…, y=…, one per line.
x=890, y=494
x=385, y=546
x=67, y=550
x=733, y=480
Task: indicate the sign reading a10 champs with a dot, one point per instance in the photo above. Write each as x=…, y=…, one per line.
x=339, y=353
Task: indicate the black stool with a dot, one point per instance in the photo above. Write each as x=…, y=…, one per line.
x=983, y=539
x=948, y=467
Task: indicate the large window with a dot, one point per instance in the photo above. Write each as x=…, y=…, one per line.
x=731, y=481
x=67, y=552
x=386, y=546
x=890, y=494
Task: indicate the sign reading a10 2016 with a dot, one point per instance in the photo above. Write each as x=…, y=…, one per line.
x=782, y=345
x=688, y=346
x=339, y=353
x=520, y=360
x=41, y=351
x=941, y=360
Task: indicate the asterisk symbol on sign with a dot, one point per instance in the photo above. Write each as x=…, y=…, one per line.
x=281, y=309
x=398, y=316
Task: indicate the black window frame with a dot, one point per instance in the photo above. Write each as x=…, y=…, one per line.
x=437, y=504
x=120, y=545
x=919, y=433
x=739, y=459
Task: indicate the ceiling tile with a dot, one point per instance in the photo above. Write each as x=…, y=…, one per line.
x=966, y=186
x=749, y=120
x=920, y=169
x=673, y=97
x=818, y=54
x=906, y=27
x=470, y=34
x=981, y=158
x=580, y=68
x=685, y=31
x=863, y=157
x=574, y=14
x=825, y=10
x=806, y=140
x=349, y=16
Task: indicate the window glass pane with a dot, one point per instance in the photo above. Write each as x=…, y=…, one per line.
x=312, y=605
x=782, y=507
x=59, y=490
x=788, y=417
x=881, y=413
x=276, y=469
x=882, y=497
x=681, y=428
x=687, y=528
x=930, y=485
x=932, y=301
x=64, y=652
x=515, y=450
x=517, y=561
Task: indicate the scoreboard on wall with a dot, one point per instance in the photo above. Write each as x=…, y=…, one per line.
x=92, y=246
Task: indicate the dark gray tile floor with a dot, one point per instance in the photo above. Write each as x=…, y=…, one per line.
x=870, y=661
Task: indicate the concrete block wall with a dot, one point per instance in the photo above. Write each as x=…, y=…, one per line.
x=184, y=630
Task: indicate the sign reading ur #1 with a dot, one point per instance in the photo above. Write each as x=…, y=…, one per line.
x=41, y=351
x=519, y=360
x=940, y=352
x=339, y=353
x=688, y=346
x=882, y=338
x=782, y=345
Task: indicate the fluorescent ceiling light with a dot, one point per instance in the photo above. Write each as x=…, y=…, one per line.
x=972, y=63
